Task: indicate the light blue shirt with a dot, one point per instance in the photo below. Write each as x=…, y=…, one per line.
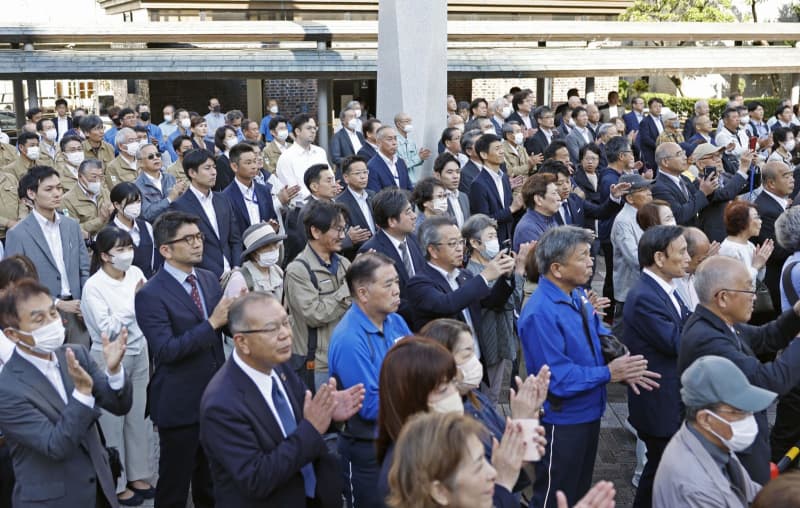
x=181, y=276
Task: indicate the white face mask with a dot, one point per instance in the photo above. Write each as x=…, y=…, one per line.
x=352, y=124
x=33, y=152
x=789, y=145
x=491, y=248
x=489, y=130
x=93, y=187
x=269, y=258
x=46, y=338
x=132, y=148
x=75, y=158
x=518, y=138
x=460, y=128
x=744, y=432
x=273, y=110
x=440, y=205
x=282, y=134
x=51, y=134
x=450, y=404
x=409, y=129
x=507, y=110
x=471, y=372
x=357, y=112
x=133, y=210
x=186, y=123
x=4, y=138
x=122, y=261
x=231, y=142
x=168, y=118
x=744, y=120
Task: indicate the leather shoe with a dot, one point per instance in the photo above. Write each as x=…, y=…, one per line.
x=135, y=500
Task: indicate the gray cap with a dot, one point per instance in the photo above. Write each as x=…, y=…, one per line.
x=714, y=379
x=637, y=181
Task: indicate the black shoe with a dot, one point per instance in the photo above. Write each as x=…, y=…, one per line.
x=148, y=493
x=135, y=500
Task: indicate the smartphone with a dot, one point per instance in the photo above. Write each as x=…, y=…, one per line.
x=507, y=246
x=708, y=171
x=753, y=142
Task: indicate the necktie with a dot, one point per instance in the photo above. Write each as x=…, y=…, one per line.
x=684, y=309
x=683, y=187
x=406, y=259
x=289, y=426
x=567, y=215
x=192, y=280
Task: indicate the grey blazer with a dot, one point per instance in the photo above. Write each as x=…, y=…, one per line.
x=27, y=238
x=463, y=201
x=55, y=447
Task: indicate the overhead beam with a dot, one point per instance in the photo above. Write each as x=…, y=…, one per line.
x=362, y=64
x=367, y=31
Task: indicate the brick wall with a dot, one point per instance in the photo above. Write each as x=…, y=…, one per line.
x=294, y=95
x=122, y=97
x=460, y=88
x=490, y=89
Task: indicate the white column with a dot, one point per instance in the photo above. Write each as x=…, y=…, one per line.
x=412, y=67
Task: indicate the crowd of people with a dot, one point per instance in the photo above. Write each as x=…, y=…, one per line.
x=293, y=325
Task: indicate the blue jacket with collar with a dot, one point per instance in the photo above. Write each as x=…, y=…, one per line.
x=551, y=331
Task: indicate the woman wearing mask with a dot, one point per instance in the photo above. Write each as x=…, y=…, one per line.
x=107, y=306
x=430, y=199
x=260, y=271
x=419, y=375
x=224, y=139
x=127, y=201
x=784, y=144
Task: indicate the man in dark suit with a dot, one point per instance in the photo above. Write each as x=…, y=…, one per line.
x=547, y=132
x=394, y=216
x=442, y=290
x=711, y=218
x=654, y=316
x=470, y=170
x=778, y=182
x=49, y=405
x=387, y=169
x=250, y=200
x=181, y=312
x=348, y=140
x=636, y=115
x=719, y=327
x=649, y=130
x=62, y=122
x=223, y=244
x=684, y=197
x=260, y=427
x=484, y=194
x=523, y=105
x=358, y=201
x=370, y=147
x=448, y=172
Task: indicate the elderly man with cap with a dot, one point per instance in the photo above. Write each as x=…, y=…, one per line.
x=719, y=327
x=699, y=468
x=672, y=128
x=260, y=270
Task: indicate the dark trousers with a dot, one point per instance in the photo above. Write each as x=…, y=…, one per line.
x=655, y=449
x=182, y=462
x=786, y=431
x=6, y=475
x=567, y=464
x=608, y=283
x=361, y=470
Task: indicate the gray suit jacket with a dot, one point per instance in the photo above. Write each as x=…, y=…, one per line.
x=463, y=201
x=575, y=142
x=55, y=447
x=27, y=238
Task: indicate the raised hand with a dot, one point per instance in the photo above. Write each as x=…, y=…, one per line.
x=532, y=393
x=762, y=253
x=600, y=303
x=318, y=410
x=507, y=455
x=80, y=378
x=600, y=496
x=348, y=402
x=113, y=352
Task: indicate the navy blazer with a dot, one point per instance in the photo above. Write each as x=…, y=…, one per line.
x=69, y=126
x=653, y=328
x=367, y=152
x=769, y=210
x=355, y=217
x=184, y=348
x=469, y=172
x=263, y=193
x=225, y=173
x=631, y=123
x=580, y=209
x=341, y=146
x=380, y=176
x=538, y=142
x=684, y=209
x=433, y=298
x=381, y=243
x=229, y=242
x=711, y=219
x=252, y=463
x=484, y=198
x=648, y=134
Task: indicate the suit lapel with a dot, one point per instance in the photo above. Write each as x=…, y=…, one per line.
x=179, y=293
x=198, y=210
x=487, y=178
x=31, y=376
x=355, y=210
x=655, y=288
x=38, y=236
x=238, y=202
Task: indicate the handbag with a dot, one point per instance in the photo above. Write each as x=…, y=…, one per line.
x=610, y=346
x=763, y=303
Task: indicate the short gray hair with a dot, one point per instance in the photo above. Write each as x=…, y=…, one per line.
x=714, y=274
x=345, y=110
x=237, y=315
x=508, y=128
x=499, y=103
x=699, y=104
x=379, y=134
x=142, y=147
x=787, y=229
x=475, y=225
x=429, y=231
x=604, y=128
x=233, y=114
x=557, y=244
x=122, y=134
x=89, y=164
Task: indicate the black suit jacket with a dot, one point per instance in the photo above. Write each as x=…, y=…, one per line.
x=516, y=116
x=648, y=134
x=433, y=298
x=69, y=125
x=263, y=193
x=484, y=198
x=469, y=172
x=341, y=146
x=711, y=217
x=684, y=209
x=769, y=210
x=367, y=152
x=355, y=217
x=229, y=242
x=224, y=173
x=252, y=464
x=381, y=243
x=582, y=210
x=185, y=349
x=538, y=142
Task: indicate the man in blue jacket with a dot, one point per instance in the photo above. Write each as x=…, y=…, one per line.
x=358, y=344
x=559, y=328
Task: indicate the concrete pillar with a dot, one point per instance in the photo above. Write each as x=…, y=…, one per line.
x=734, y=87
x=19, y=102
x=255, y=99
x=795, y=95
x=547, y=96
x=33, y=94
x=589, y=90
x=323, y=112
x=412, y=67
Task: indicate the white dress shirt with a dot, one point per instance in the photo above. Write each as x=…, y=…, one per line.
x=52, y=234
x=361, y=200
x=497, y=177
x=292, y=166
x=392, y=163
x=685, y=287
x=452, y=198
x=353, y=139
x=668, y=287
x=659, y=124
x=155, y=181
x=136, y=235
x=6, y=349
x=250, y=201
x=781, y=201
x=399, y=250
x=264, y=384
x=207, y=203
x=62, y=127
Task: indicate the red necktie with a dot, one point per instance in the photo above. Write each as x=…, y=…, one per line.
x=192, y=280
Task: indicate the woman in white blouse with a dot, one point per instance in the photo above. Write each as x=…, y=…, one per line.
x=107, y=305
x=742, y=223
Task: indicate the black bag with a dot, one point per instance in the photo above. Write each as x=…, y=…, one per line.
x=114, y=460
x=610, y=346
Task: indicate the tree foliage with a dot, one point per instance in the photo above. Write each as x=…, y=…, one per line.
x=679, y=10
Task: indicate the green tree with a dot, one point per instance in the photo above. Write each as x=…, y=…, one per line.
x=679, y=10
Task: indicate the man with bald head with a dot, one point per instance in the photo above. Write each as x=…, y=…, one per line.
x=699, y=248
x=685, y=198
x=778, y=182
x=719, y=327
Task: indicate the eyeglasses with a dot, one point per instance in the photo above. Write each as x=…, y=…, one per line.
x=453, y=243
x=340, y=230
x=189, y=239
x=153, y=156
x=269, y=328
x=751, y=292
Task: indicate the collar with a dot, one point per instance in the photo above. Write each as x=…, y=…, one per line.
x=668, y=287
x=123, y=227
x=395, y=241
x=675, y=179
x=256, y=376
x=41, y=364
x=539, y=216
x=452, y=276
x=391, y=162
x=199, y=195
x=246, y=191
x=332, y=267
x=155, y=180
x=362, y=196
x=719, y=457
x=6, y=348
x=178, y=275
x=554, y=293
x=363, y=320
x=496, y=175
x=781, y=201
x=43, y=222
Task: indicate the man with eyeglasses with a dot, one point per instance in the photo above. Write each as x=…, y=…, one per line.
x=158, y=188
x=719, y=327
x=537, y=143
x=181, y=312
x=89, y=202
x=686, y=198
